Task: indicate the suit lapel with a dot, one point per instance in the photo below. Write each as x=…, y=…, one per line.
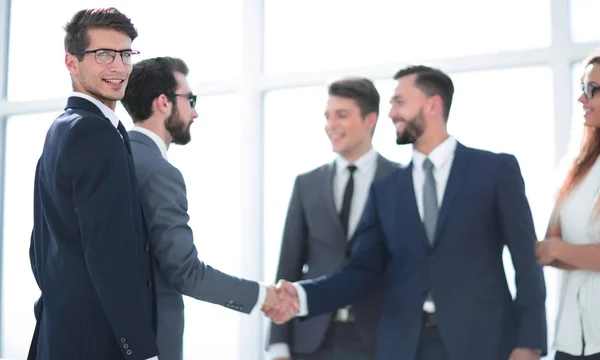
x=459, y=165
x=406, y=203
x=329, y=197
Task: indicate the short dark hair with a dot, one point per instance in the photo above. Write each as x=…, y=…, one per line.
x=77, y=37
x=361, y=90
x=149, y=79
x=431, y=82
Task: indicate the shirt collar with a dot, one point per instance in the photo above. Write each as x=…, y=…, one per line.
x=439, y=156
x=160, y=143
x=105, y=109
x=364, y=163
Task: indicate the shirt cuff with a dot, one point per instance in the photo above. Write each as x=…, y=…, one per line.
x=279, y=350
x=301, y=300
x=153, y=358
x=260, y=301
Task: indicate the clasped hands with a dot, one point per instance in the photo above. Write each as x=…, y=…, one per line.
x=545, y=250
x=282, y=302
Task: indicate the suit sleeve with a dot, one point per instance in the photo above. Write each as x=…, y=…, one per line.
x=96, y=162
x=517, y=228
x=362, y=273
x=292, y=255
x=32, y=257
x=164, y=201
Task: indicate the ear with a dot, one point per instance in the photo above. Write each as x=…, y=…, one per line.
x=435, y=105
x=162, y=105
x=72, y=63
x=371, y=120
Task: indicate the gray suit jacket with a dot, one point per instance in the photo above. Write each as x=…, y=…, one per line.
x=313, y=236
x=178, y=269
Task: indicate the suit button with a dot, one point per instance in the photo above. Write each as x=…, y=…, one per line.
x=146, y=247
x=125, y=346
x=128, y=352
x=123, y=340
x=149, y=283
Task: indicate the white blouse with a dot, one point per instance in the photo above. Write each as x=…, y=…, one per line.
x=578, y=317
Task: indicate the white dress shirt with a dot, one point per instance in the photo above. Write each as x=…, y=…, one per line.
x=441, y=157
x=364, y=174
x=363, y=177
x=578, y=317
x=105, y=109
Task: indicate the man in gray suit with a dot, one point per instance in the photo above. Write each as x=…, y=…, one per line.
x=159, y=100
x=324, y=211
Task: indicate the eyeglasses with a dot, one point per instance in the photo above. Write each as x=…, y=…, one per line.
x=107, y=56
x=589, y=90
x=190, y=97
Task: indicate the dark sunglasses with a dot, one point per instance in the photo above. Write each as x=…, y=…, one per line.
x=589, y=90
x=191, y=97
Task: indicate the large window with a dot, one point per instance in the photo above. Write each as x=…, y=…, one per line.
x=342, y=34
x=510, y=61
x=303, y=147
x=583, y=19
x=181, y=29
x=24, y=141
x=211, y=166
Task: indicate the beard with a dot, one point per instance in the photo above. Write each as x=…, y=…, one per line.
x=412, y=131
x=180, y=132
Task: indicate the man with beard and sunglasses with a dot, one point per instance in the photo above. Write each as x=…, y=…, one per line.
x=159, y=100
x=435, y=230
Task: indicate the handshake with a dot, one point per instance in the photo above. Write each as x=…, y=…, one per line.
x=281, y=303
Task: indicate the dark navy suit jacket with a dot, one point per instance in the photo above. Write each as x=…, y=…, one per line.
x=484, y=208
x=89, y=247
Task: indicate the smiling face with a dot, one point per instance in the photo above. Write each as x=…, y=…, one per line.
x=105, y=82
x=407, y=111
x=349, y=132
x=590, y=97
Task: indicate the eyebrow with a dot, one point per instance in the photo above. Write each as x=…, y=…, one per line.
x=103, y=48
x=337, y=111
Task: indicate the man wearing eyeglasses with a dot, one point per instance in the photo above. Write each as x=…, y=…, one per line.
x=159, y=100
x=89, y=247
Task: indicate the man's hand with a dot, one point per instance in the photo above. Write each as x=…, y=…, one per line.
x=286, y=305
x=545, y=250
x=272, y=300
x=525, y=354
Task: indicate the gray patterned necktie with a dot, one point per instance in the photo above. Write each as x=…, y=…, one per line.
x=430, y=203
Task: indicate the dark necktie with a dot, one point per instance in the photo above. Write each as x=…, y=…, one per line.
x=125, y=136
x=430, y=202
x=348, y=192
